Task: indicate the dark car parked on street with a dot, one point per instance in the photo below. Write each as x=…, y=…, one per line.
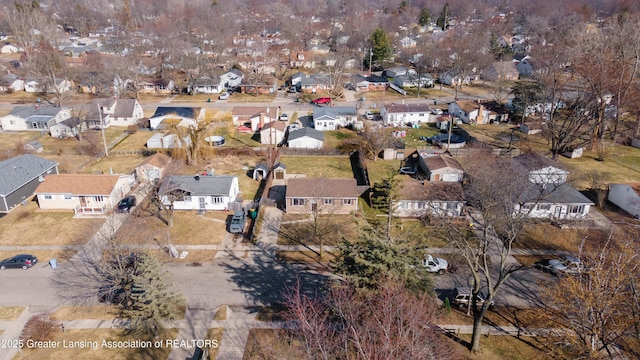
x=126, y=204
x=19, y=261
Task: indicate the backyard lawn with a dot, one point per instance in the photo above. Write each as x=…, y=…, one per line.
x=318, y=166
x=116, y=164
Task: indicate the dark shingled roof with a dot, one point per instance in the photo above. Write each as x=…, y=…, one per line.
x=321, y=188
x=124, y=108
x=441, y=161
x=17, y=171
x=533, y=161
x=188, y=112
x=205, y=185
x=410, y=108
x=555, y=194
x=431, y=191
x=306, y=131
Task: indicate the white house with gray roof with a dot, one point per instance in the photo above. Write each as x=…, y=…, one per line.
x=199, y=192
x=332, y=118
x=401, y=114
x=20, y=176
x=305, y=138
x=33, y=117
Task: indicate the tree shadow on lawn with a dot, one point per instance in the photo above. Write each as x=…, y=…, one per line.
x=264, y=281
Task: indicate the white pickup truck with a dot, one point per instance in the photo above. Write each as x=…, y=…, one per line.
x=435, y=265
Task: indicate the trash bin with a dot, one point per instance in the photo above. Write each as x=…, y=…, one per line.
x=209, y=100
x=53, y=263
x=253, y=213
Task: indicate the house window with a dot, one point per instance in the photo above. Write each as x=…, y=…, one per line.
x=186, y=198
x=216, y=200
x=526, y=207
x=450, y=205
x=544, y=207
x=420, y=205
x=98, y=198
x=347, y=201
x=421, y=114
x=298, y=202
x=12, y=122
x=67, y=197
x=576, y=209
x=48, y=197
x=328, y=201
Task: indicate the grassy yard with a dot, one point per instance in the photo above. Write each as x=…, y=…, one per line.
x=188, y=229
x=119, y=164
x=321, y=166
x=248, y=98
x=135, y=141
x=343, y=226
x=414, y=230
x=10, y=312
x=214, y=334
x=98, y=335
x=545, y=236
x=333, y=139
x=27, y=226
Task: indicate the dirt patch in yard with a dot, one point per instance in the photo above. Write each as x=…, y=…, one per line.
x=69, y=313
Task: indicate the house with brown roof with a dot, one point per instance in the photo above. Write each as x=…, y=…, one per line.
x=501, y=70
x=417, y=199
x=440, y=167
x=272, y=133
x=86, y=194
x=254, y=116
x=470, y=112
x=152, y=168
x=321, y=195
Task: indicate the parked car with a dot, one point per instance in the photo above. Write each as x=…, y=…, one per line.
x=284, y=117
x=462, y=295
x=237, y=222
x=436, y=111
x=568, y=265
x=224, y=96
x=125, y=205
x=435, y=265
x=293, y=90
x=321, y=101
x=19, y=261
x=368, y=115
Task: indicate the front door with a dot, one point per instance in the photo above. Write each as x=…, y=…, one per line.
x=558, y=212
x=314, y=206
x=202, y=203
x=83, y=201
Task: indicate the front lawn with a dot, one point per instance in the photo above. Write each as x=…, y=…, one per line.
x=27, y=226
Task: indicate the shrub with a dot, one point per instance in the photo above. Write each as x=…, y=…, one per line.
x=39, y=328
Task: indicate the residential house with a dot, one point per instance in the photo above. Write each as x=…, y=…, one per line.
x=322, y=195
x=152, y=168
x=417, y=199
x=11, y=83
x=155, y=86
x=369, y=83
x=216, y=83
x=394, y=72
x=98, y=116
x=400, y=114
x=470, y=112
x=497, y=112
x=20, y=176
x=408, y=43
x=302, y=59
x=259, y=83
x=33, y=117
x=526, y=66
x=199, y=192
x=542, y=170
x=86, y=194
x=451, y=79
x=9, y=49
x=126, y=112
x=254, y=116
x=296, y=79
x=501, y=70
x=332, y=118
x=67, y=128
x=187, y=116
x=549, y=196
x=305, y=138
x=412, y=80
x=272, y=133
x=626, y=197
x=36, y=86
x=312, y=83
x=440, y=167
x=554, y=200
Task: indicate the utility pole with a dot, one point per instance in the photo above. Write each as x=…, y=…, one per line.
x=370, y=60
x=104, y=138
